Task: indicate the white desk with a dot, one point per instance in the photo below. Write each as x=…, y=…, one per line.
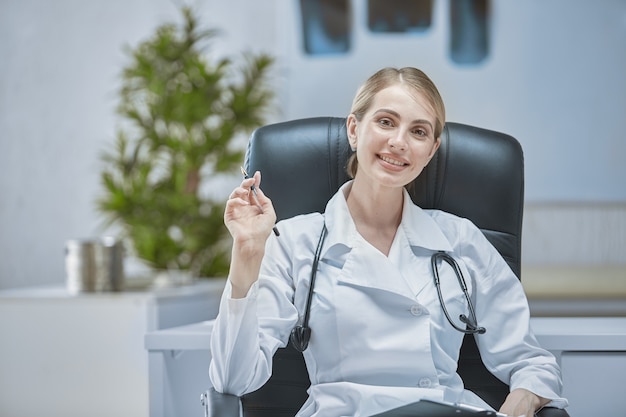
x=83, y=355
x=179, y=365
x=592, y=352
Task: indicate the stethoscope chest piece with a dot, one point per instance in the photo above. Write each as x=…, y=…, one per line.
x=299, y=337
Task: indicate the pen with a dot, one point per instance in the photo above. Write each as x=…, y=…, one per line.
x=256, y=199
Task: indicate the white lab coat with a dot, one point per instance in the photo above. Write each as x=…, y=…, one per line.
x=379, y=336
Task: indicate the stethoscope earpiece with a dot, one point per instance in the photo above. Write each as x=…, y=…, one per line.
x=471, y=327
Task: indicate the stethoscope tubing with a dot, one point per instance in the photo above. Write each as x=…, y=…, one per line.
x=471, y=322
x=301, y=334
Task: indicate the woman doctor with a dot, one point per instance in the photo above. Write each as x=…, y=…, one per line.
x=379, y=336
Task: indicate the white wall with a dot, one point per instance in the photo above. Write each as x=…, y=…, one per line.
x=555, y=80
x=59, y=68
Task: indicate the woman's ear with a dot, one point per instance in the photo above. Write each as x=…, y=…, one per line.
x=351, y=124
x=435, y=147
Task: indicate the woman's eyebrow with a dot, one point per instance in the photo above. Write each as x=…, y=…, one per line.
x=396, y=114
x=423, y=122
x=393, y=112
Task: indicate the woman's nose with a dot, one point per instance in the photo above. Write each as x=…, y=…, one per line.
x=398, y=141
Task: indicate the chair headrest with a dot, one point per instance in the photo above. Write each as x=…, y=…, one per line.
x=476, y=173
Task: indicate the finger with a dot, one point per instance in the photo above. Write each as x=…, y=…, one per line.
x=260, y=198
x=247, y=183
x=257, y=185
x=235, y=203
x=239, y=192
x=257, y=179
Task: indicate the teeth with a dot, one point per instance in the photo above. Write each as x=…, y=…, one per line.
x=392, y=161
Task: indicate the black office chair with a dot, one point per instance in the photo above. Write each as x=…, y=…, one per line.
x=476, y=173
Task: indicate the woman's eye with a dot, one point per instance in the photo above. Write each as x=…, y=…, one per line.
x=385, y=122
x=420, y=132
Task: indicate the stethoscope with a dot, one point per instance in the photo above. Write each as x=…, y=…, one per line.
x=301, y=334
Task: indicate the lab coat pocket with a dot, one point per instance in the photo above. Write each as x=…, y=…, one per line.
x=380, y=335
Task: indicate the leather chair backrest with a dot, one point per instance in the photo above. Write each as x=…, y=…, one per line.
x=476, y=173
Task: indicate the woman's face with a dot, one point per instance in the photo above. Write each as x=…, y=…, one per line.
x=395, y=139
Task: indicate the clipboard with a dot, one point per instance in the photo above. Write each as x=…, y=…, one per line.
x=429, y=408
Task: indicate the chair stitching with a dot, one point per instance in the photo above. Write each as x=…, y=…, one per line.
x=329, y=139
x=438, y=197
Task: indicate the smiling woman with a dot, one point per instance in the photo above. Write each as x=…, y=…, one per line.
x=380, y=334
x=394, y=141
x=421, y=88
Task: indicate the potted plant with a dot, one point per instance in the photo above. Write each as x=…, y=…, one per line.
x=181, y=113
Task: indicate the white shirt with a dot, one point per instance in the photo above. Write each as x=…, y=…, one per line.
x=379, y=336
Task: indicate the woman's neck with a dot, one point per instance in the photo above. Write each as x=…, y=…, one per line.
x=376, y=212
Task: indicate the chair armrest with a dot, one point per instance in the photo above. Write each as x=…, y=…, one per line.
x=552, y=412
x=216, y=404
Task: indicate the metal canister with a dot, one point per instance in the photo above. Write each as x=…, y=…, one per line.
x=94, y=265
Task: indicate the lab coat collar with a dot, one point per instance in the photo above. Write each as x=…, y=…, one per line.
x=342, y=233
x=419, y=227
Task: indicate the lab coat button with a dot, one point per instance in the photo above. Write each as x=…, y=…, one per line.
x=416, y=310
x=425, y=383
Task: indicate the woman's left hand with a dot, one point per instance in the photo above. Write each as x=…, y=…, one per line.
x=521, y=402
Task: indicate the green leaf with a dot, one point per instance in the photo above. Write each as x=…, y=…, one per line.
x=181, y=110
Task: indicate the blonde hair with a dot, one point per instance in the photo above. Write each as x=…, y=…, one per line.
x=387, y=77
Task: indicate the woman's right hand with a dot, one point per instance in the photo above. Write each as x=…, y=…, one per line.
x=249, y=219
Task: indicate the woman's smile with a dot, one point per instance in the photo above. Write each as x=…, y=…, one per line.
x=392, y=161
